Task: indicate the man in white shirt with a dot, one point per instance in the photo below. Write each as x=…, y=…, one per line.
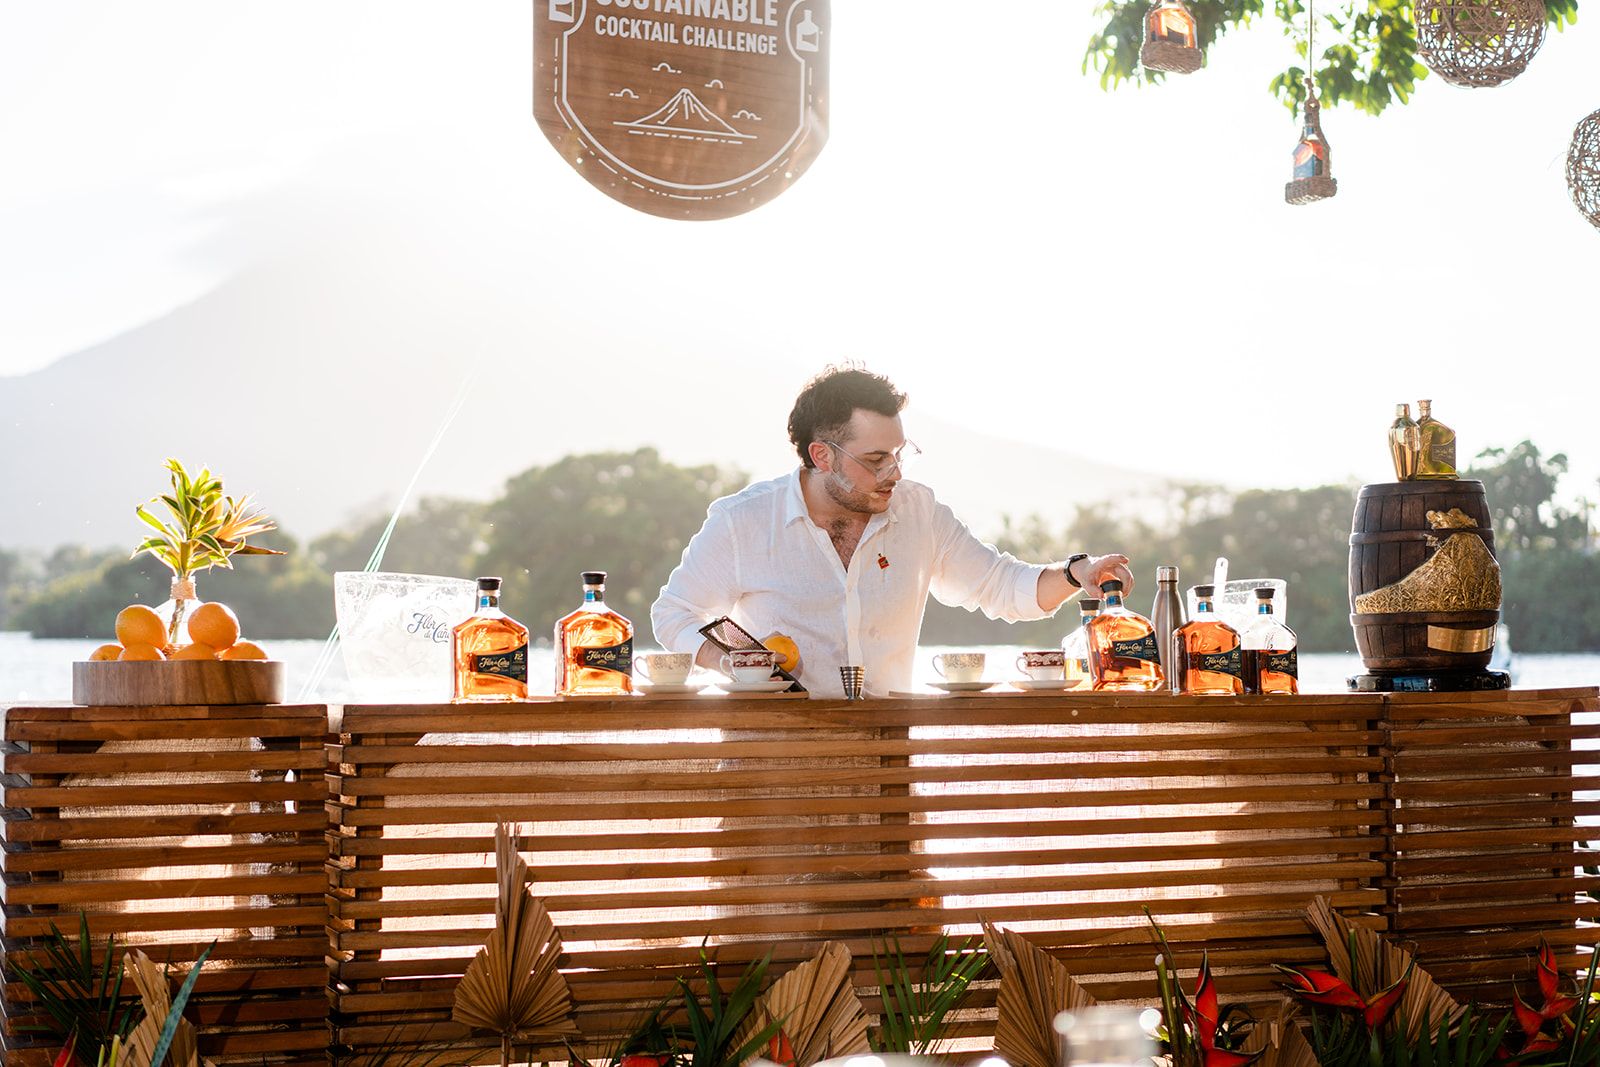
x=842, y=553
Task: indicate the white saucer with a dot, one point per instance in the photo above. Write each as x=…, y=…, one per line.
x=963, y=687
x=690, y=687
x=1044, y=683
x=772, y=685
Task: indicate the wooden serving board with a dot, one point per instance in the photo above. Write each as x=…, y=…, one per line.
x=119, y=684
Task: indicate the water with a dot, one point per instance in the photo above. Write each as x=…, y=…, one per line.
x=41, y=671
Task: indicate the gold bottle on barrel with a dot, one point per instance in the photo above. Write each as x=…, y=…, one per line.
x=1436, y=446
x=1404, y=448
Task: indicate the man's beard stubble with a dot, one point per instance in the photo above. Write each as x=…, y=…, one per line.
x=850, y=498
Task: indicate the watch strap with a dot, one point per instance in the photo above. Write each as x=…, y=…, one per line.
x=1066, y=569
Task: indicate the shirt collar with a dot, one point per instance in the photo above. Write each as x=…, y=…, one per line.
x=794, y=508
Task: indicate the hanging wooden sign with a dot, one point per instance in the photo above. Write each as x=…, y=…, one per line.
x=690, y=109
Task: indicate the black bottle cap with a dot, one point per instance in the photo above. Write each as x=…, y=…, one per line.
x=1111, y=585
x=1265, y=592
x=1088, y=603
x=1204, y=590
x=594, y=577
x=488, y=585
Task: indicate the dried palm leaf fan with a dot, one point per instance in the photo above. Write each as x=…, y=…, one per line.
x=1034, y=989
x=1378, y=963
x=817, y=1011
x=1313, y=159
x=1283, y=1044
x=1171, y=39
x=144, y=1042
x=1583, y=168
x=512, y=986
x=1479, y=43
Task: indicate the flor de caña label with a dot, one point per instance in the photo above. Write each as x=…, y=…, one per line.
x=689, y=109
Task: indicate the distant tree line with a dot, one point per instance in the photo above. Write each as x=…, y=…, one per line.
x=631, y=514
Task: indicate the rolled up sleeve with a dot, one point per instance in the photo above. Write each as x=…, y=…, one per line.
x=704, y=586
x=969, y=573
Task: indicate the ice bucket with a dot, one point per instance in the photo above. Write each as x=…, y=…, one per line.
x=394, y=631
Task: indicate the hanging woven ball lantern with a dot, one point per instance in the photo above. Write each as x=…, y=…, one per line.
x=1171, y=39
x=1479, y=43
x=1313, y=159
x=1583, y=168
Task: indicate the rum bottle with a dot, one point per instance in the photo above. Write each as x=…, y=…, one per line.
x=490, y=651
x=1075, y=647
x=1403, y=444
x=1272, y=664
x=1171, y=22
x=1210, y=661
x=1122, y=647
x=1436, y=459
x=1311, y=151
x=594, y=646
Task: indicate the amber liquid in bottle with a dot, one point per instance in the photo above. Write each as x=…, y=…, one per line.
x=1210, y=661
x=594, y=646
x=1075, y=648
x=1436, y=458
x=1122, y=647
x=490, y=651
x=1272, y=659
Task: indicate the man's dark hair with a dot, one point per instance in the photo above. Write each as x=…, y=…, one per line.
x=823, y=409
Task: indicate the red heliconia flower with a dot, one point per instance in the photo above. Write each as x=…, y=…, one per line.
x=1203, y=1018
x=1555, y=1005
x=1320, y=987
x=66, y=1054
x=1381, y=1005
x=1530, y=1020
x=780, y=1051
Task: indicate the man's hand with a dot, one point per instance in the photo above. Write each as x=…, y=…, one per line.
x=1090, y=572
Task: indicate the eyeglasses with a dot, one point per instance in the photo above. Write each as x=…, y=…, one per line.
x=894, y=461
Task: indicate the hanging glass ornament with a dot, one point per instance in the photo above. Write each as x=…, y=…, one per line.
x=1313, y=171
x=1583, y=168
x=1479, y=43
x=1171, y=39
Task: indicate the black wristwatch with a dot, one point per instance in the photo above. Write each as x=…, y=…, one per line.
x=1066, y=569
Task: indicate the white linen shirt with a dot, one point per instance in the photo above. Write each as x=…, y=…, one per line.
x=761, y=560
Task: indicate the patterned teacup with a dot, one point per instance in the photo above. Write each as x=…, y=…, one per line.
x=959, y=666
x=1045, y=665
x=664, y=668
x=750, y=664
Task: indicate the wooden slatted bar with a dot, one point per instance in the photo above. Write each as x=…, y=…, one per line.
x=650, y=826
x=1452, y=824
x=1487, y=855
x=173, y=828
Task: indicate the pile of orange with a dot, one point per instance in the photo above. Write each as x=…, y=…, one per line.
x=213, y=634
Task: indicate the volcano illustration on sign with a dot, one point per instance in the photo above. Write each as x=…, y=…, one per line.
x=686, y=117
x=689, y=111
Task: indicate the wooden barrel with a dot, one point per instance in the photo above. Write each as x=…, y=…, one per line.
x=1389, y=539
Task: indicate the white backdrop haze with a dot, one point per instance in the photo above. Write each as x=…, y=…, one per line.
x=277, y=238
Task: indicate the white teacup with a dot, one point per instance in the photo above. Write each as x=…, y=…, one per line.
x=1045, y=665
x=664, y=668
x=959, y=666
x=750, y=664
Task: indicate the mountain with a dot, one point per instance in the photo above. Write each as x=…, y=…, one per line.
x=316, y=382
x=685, y=111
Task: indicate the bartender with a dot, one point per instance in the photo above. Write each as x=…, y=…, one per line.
x=842, y=552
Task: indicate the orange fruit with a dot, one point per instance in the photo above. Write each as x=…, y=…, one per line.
x=139, y=625
x=137, y=651
x=215, y=625
x=198, y=650
x=105, y=653
x=242, y=650
x=785, y=647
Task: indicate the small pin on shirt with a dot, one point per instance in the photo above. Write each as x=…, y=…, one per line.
x=883, y=561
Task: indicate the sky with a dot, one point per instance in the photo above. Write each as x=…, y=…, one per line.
x=1114, y=273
